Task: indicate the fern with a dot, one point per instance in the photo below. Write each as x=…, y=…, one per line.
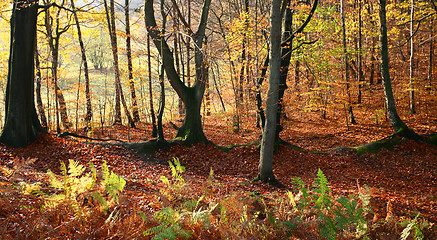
x=413, y=225
x=169, y=226
x=321, y=188
x=75, y=182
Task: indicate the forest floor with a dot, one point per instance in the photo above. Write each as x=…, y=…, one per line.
x=401, y=183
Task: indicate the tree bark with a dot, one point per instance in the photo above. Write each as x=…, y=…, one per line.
x=135, y=113
x=40, y=105
x=110, y=17
x=412, y=104
x=152, y=111
x=346, y=64
x=191, y=131
x=431, y=58
x=89, y=112
x=398, y=125
x=268, y=139
x=54, y=41
x=21, y=124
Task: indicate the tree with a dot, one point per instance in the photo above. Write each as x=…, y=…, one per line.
x=412, y=104
x=40, y=106
x=110, y=18
x=152, y=111
x=398, y=125
x=135, y=113
x=346, y=63
x=268, y=139
x=191, y=131
x=21, y=125
x=54, y=32
x=89, y=113
x=286, y=50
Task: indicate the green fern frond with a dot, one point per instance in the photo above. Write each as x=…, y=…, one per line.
x=97, y=196
x=114, y=185
x=105, y=171
x=321, y=183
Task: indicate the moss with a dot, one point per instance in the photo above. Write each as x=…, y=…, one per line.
x=377, y=146
x=432, y=140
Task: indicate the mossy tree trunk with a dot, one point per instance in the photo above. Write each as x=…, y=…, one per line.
x=21, y=125
x=398, y=125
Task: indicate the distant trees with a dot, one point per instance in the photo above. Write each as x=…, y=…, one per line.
x=228, y=53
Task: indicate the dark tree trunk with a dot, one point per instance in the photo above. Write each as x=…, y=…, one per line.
x=346, y=64
x=398, y=125
x=191, y=131
x=161, y=106
x=21, y=124
x=285, y=64
x=265, y=172
x=431, y=58
x=360, y=75
x=286, y=49
x=412, y=104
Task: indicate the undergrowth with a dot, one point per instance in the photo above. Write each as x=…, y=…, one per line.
x=81, y=204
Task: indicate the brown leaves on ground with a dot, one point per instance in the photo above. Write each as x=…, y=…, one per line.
x=402, y=182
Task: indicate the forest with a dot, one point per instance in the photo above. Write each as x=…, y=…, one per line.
x=233, y=119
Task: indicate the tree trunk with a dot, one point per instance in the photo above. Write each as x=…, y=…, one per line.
x=268, y=139
x=152, y=111
x=54, y=40
x=41, y=111
x=431, y=58
x=346, y=63
x=191, y=131
x=110, y=17
x=135, y=113
x=412, y=104
x=360, y=75
x=21, y=123
x=161, y=106
x=287, y=44
x=398, y=125
x=89, y=112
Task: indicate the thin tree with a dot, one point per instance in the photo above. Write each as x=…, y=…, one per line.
x=40, y=106
x=135, y=113
x=54, y=33
x=89, y=112
x=110, y=17
x=431, y=56
x=21, y=124
x=346, y=64
x=152, y=111
x=412, y=104
x=268, y=139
